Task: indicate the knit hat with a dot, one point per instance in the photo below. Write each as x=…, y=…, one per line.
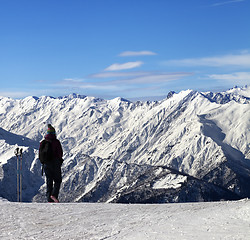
x=51, y=130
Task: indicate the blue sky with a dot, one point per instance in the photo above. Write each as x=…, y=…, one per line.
x=128, y=48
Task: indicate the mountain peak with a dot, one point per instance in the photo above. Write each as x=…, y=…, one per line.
x=237, y=94
x=73, y=95
x=120, y=99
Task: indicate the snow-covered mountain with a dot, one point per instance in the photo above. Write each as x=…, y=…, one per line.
x=190, y=146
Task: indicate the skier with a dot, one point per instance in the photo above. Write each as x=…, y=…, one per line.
x=52, y=168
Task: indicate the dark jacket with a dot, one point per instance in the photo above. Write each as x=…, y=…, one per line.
x=56, y=146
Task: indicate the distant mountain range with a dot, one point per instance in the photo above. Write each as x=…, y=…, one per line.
x=191, y=146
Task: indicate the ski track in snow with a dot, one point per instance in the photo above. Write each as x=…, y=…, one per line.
x=214, y=220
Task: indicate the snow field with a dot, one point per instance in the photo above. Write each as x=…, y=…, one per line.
x=214, y=220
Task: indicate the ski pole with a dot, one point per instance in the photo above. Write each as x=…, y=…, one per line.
x=21, y=158
x=19, y=155
x=17, y=177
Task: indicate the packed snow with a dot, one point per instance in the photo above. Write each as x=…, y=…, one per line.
x=90, y=221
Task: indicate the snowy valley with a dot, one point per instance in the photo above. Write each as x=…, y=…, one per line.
x=191, y=146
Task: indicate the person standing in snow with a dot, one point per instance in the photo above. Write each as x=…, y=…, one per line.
x=52, y=168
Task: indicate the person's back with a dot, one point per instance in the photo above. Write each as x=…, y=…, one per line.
x=52, y=168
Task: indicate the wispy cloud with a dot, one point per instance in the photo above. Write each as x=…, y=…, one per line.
x=146, y=77
x=117, y=74
x=242, y=60
x=237, y=77
x=123, y=66
x=154, y=77
x=68, y=82
x=138, y=53
x=74, y=80
x=226, y=2
x=99, y=86
x=125, y=78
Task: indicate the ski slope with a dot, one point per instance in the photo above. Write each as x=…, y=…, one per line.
x=214, y=220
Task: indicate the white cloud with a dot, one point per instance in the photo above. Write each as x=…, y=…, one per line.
x=99, y=86
x=73, y=80
x=117, y=74
x=155, y=78
x=148, y=78
x=123, y=66
x=242, y=60
x=227, y=2
x=237, y=77
x=127, y=80
x=141, y=77
x=138, y=53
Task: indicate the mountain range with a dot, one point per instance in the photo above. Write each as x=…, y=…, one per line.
x=191, y=146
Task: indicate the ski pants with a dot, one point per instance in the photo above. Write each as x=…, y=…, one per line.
x=53, y=179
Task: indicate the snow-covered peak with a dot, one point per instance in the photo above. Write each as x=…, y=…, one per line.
x=117, y=102
x=170, y=94
x=237, y=94
x=73, y=95
x=243, y=91
x=31, y=98
x=120, y=99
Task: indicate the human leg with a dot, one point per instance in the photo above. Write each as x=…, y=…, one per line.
x=49, y=182
x=57, y=177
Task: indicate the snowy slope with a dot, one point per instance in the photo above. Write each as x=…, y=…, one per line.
x=217, y=220
x=121, y=146
x=8, y=166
